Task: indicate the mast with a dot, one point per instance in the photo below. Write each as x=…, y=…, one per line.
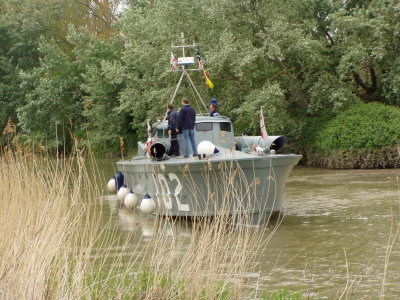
x=182, y=67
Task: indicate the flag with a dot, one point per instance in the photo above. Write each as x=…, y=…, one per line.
x=149, y=140
x=174, y=64
x=199, y=60
x=264, y=133
x=208, y=81
x=148, y=128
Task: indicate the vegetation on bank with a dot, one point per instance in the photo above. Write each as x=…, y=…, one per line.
x=363, y=126
x=365, y=136
x=100, y=69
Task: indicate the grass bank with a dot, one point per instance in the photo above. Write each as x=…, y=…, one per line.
x=379, y=158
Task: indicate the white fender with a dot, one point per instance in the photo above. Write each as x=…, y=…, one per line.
x=123, y=191
x=148, y=205
x=111, y=186
x=131, y=200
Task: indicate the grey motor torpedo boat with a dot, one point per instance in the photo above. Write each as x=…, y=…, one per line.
x=235, y=175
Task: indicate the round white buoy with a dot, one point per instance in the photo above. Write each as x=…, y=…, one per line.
x=111, y=186
x=123, y=191
x=206, y=148
x=148, y=205
x=131, y=200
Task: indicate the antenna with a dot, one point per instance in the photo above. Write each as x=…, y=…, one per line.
x=184, y=62
x=183, y=43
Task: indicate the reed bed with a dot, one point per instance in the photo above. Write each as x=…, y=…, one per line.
x=54, y=246
x=55, y=243
x=44, y=205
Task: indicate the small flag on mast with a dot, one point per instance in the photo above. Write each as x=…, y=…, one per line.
x=148, y=128
x=174, y=63
x=199, y=60
x=149, y=140
x=263, y=130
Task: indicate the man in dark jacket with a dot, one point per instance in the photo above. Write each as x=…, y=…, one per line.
x=172, y=122
x=186, y=123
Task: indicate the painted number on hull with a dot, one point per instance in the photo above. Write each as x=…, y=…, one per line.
x=166, y=194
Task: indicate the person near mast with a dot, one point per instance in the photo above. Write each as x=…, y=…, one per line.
x=186, y=124
x=213, y=108
x=172, y=123
x=213, y=111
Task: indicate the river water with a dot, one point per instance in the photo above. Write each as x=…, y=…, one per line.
x=334, y=234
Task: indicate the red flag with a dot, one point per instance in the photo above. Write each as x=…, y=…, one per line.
x=199, y=60
x=149, y=139
x=263, y=130
x=174, y=63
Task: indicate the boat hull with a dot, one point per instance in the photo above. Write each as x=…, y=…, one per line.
x=232, y=183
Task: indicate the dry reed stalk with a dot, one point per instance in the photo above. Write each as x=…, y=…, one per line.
x=220, y=254
x=44, y=204
x=54, y=245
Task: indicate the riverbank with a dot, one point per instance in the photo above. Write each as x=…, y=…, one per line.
x=382, y=158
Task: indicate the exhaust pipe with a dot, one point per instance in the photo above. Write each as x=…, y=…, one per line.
x=273, y=143
x=157, y=150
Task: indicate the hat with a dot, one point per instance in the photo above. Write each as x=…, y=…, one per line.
x=214, y=101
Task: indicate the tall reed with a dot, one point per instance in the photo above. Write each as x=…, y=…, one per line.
x=44, y=207
x=53, y=244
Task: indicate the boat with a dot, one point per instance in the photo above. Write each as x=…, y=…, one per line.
x=232, y=176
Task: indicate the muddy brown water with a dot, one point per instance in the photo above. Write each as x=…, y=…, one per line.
x=334, y=234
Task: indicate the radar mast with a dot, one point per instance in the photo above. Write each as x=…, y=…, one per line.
x=182, y=66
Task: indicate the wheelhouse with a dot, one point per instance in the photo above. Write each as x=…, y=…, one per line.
x=218, y=130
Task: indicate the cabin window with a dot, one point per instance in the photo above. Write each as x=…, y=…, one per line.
x=204, y=126
x=225, y=126
x=161, y=133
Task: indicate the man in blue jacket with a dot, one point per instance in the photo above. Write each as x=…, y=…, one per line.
x=186, y=123
x=172, y=121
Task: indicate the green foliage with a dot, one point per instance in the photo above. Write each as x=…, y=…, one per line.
x=282, y=294
x=54, y=105
x=105, y=122
x=278, y=118
x=363, y=126
x=108, y=72
x=122, y=284
x=19, y=41
x=311, y=128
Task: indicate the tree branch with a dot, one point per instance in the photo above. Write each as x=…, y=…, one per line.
x=374, y=82
x=94, y=12
x=360, y=82
x=330, y=38
x=297, y=91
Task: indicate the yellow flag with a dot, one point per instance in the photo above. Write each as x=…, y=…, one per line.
x=209, y=83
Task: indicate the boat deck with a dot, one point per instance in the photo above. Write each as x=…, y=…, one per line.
x=224, y=155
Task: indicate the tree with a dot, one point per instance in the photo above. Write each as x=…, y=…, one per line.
x=54, y=105
x=109, y=71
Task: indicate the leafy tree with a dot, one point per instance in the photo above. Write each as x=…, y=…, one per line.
x=54, y=105
x=367, y=40
x=104, y=120
x=107, y=68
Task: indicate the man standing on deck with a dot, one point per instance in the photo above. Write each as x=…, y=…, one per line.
x=186, y=123
x=172, y=122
